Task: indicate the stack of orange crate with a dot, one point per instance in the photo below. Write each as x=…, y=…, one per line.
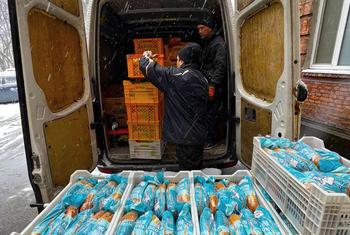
x=144, y=104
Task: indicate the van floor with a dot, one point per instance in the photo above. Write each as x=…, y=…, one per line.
x=122, y=152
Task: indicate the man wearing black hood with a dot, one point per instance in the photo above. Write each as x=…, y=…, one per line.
x=214, y=69
x=186, y=94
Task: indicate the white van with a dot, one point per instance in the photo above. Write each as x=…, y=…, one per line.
x=61, y=84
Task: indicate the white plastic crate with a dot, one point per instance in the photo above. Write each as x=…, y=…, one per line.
x=73, y=179
x=146, y=150
x=137, y=177
x=236, y=178
x=313, y=211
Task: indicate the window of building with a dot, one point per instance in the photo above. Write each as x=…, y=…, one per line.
x=331, y=46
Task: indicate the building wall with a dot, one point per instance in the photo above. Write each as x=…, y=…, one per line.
x=329, y=94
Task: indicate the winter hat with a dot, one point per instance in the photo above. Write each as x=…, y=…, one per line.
x=191, y=54
x=207, y=21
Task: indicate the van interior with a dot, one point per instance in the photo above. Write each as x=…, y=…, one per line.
x=121, y=21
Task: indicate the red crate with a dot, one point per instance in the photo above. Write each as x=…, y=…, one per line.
x=156, y=45
x=145, y=131
x=144, y=112
x=141, y=92
x=133, y=61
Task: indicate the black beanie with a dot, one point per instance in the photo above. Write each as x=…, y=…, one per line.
x=191, y=54
x=207, y=21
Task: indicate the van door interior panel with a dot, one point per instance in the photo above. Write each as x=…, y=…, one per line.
x=71, y=6
x=57, y=64
x=67, y=140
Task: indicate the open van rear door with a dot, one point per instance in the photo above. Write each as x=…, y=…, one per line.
x=55, y=92
x=266, y=57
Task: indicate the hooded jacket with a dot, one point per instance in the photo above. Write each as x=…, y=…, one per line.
x=186, y=95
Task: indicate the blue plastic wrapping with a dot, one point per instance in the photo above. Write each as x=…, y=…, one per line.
x=184, y=224
x=267, y=223
x=246, y=185
x=94, y=193
x=221, y=224
x=209, y=188
x=250, y=224
x=330, y=162
x=81, y=220
x=273, y=143
x=154, y=226
x=171, y=198
x=228, y=203
x=160, y=200
x=183, y=193
x=89, y=224
x=101, y=225
x=306, y=151
x=156, y=179
x=142, y=223
x=235, y=225
x=207, y=222
x=134, y=202
x=168, y=224
x=330, y=182
x=127, y=224
x=238, y=193
x=200, y=198
x=44, y=224
x=112, y=202
x=149, y=196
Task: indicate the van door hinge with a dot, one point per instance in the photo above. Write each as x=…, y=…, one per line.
x=237, y=120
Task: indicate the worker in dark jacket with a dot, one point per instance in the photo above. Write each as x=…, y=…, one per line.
x=186, y=94
x=214, y=69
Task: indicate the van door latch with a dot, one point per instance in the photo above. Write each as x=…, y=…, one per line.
x=237, y=120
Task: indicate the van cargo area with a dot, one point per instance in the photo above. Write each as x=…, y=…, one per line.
x=122, y=25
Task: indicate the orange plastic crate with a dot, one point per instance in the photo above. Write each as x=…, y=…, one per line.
x=134, y=65
x=141, y=92
x=145, y=131
x=156, y=45
x=145, y=112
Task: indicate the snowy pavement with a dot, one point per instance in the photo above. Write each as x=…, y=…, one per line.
x=15, y=190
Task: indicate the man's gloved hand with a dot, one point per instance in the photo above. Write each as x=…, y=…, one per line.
x=147, y=54
x=145, y=60
x=211, y=92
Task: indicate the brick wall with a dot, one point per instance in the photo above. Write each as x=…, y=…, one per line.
x=329, y=95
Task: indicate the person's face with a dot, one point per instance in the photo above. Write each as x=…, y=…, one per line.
x=204, y=31
x=179, y=62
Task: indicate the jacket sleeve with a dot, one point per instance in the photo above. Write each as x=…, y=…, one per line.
x=156, y=74
x=217, y=73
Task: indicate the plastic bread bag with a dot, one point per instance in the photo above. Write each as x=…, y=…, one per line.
x=250, y=224
x=200, y=198
x=171, y=198
x=220, y=185
x=267, y=223
x=160, y=200
x=88, y=203
x=90, y=223
x=273, y=143
x=246, y=185
x=207, y=222
x=183, y=193
x=330, y=162
x=331, y=182
x=238, y=193
x=184, y=224
x=306, y=152
x=113, y=183
x=82, y=186
x=134, y=202
x=221, y=224
x=168, y=224
x=156, y=179
x=149, y=196
x=154, y=226
x=80, y=221
x=127, y=224
x=209, y=188
x=72, y=203
x=228, y=203
x=293, y=159
x=112, y=202
x=102, y=224
x=44, y=224
x=142, y=223
x=235, y=225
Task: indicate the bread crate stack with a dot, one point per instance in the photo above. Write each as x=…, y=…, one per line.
x=144, y=104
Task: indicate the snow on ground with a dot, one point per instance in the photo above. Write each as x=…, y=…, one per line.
x=15, y=190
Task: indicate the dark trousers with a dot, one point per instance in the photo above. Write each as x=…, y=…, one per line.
x=213, y=116
x=189, y=156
